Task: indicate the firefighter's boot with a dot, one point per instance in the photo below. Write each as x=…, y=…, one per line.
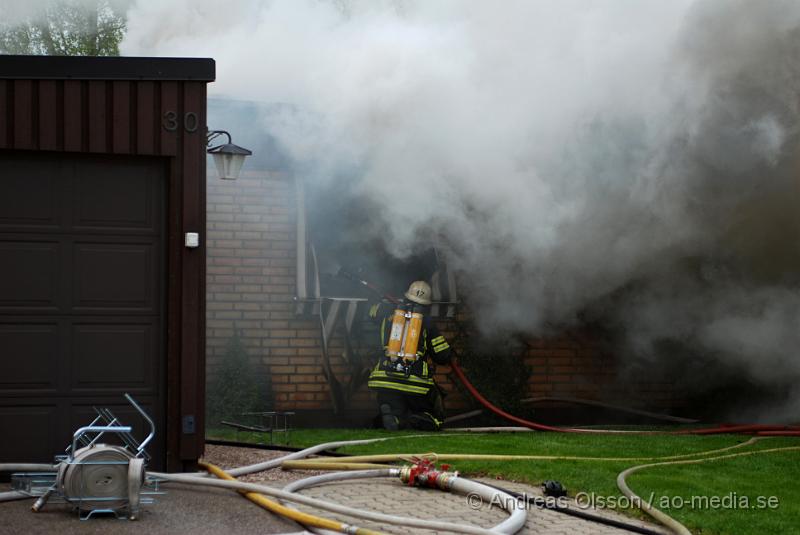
x=389, y=420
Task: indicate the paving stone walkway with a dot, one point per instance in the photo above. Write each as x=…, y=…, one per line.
x=389, y=496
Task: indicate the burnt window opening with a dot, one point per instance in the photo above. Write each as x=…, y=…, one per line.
x=339, y=232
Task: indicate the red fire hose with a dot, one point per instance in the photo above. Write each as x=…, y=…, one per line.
x=758, y=429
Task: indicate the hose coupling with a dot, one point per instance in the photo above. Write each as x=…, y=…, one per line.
x=39, y=503
x=425, y=474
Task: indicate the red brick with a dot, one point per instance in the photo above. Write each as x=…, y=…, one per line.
x=248, y=270
x=304, y=360
x=214, y=306
x=310, y=388
x=246, y=306
x=282, y=333
x=279, y=379
x=276, y=271
x=276, y=342
x=226, y=279
x=224, y=261
x=226, y=225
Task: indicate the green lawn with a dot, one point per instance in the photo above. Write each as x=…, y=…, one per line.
x=740, y=480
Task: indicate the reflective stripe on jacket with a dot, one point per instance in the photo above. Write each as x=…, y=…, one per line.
x=383, y=377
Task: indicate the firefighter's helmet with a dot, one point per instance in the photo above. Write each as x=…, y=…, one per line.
x=419, y=292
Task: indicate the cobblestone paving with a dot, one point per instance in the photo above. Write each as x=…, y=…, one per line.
x=391, y=497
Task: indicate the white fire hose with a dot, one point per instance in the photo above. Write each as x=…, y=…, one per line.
x=358, y=513
x=512, y=524
x=516, y=520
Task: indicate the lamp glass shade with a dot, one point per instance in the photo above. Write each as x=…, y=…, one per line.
x=228, y=165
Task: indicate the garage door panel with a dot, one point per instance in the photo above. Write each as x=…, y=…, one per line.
x=109, y=276
x=82, y=271
x=29, y=193
x=38, y=424
x=30, y=361
x=30, y=275
x=110, y=197
x=118, y=357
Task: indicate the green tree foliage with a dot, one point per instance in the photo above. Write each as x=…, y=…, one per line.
x=237, y=386
x=66, y=28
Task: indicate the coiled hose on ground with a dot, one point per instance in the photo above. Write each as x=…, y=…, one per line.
x=291, y=460
x=488, y=494
x=310, y=521
x=328, y=506
x=199, y=479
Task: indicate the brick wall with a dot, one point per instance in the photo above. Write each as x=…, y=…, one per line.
x=251, y=283
x=250, y=288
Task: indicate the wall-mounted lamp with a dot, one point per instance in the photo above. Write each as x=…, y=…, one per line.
x=228, y=158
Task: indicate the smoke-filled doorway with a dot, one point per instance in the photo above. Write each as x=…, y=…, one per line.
x=340, y=240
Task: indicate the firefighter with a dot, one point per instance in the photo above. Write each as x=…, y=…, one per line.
x=407, y=394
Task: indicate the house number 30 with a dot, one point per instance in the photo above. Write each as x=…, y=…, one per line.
x=172, y=121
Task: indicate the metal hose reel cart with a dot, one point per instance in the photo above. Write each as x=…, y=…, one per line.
x=95, y=477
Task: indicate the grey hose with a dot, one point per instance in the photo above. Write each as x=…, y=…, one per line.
x=493, y=429
x=27, y=467
x=274, y=463
x=313, y=481
x=666, y=520
x=13, y=495
x=22, y=467
x=488, y=495
x=662, y=517
x=328, y=506
x=326, y=478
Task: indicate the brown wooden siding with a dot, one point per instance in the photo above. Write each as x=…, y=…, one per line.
x=136, y=118
x=98, y=116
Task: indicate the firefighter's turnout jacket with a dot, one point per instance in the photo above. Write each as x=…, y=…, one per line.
x=420, y=379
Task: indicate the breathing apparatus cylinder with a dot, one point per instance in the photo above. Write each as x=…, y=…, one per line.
x=396, y=334
x=404, y=334
x=413, y=330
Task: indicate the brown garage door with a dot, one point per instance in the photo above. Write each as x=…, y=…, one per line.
x=81, y=296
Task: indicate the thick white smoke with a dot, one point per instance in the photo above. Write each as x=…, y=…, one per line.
x=627, y=161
